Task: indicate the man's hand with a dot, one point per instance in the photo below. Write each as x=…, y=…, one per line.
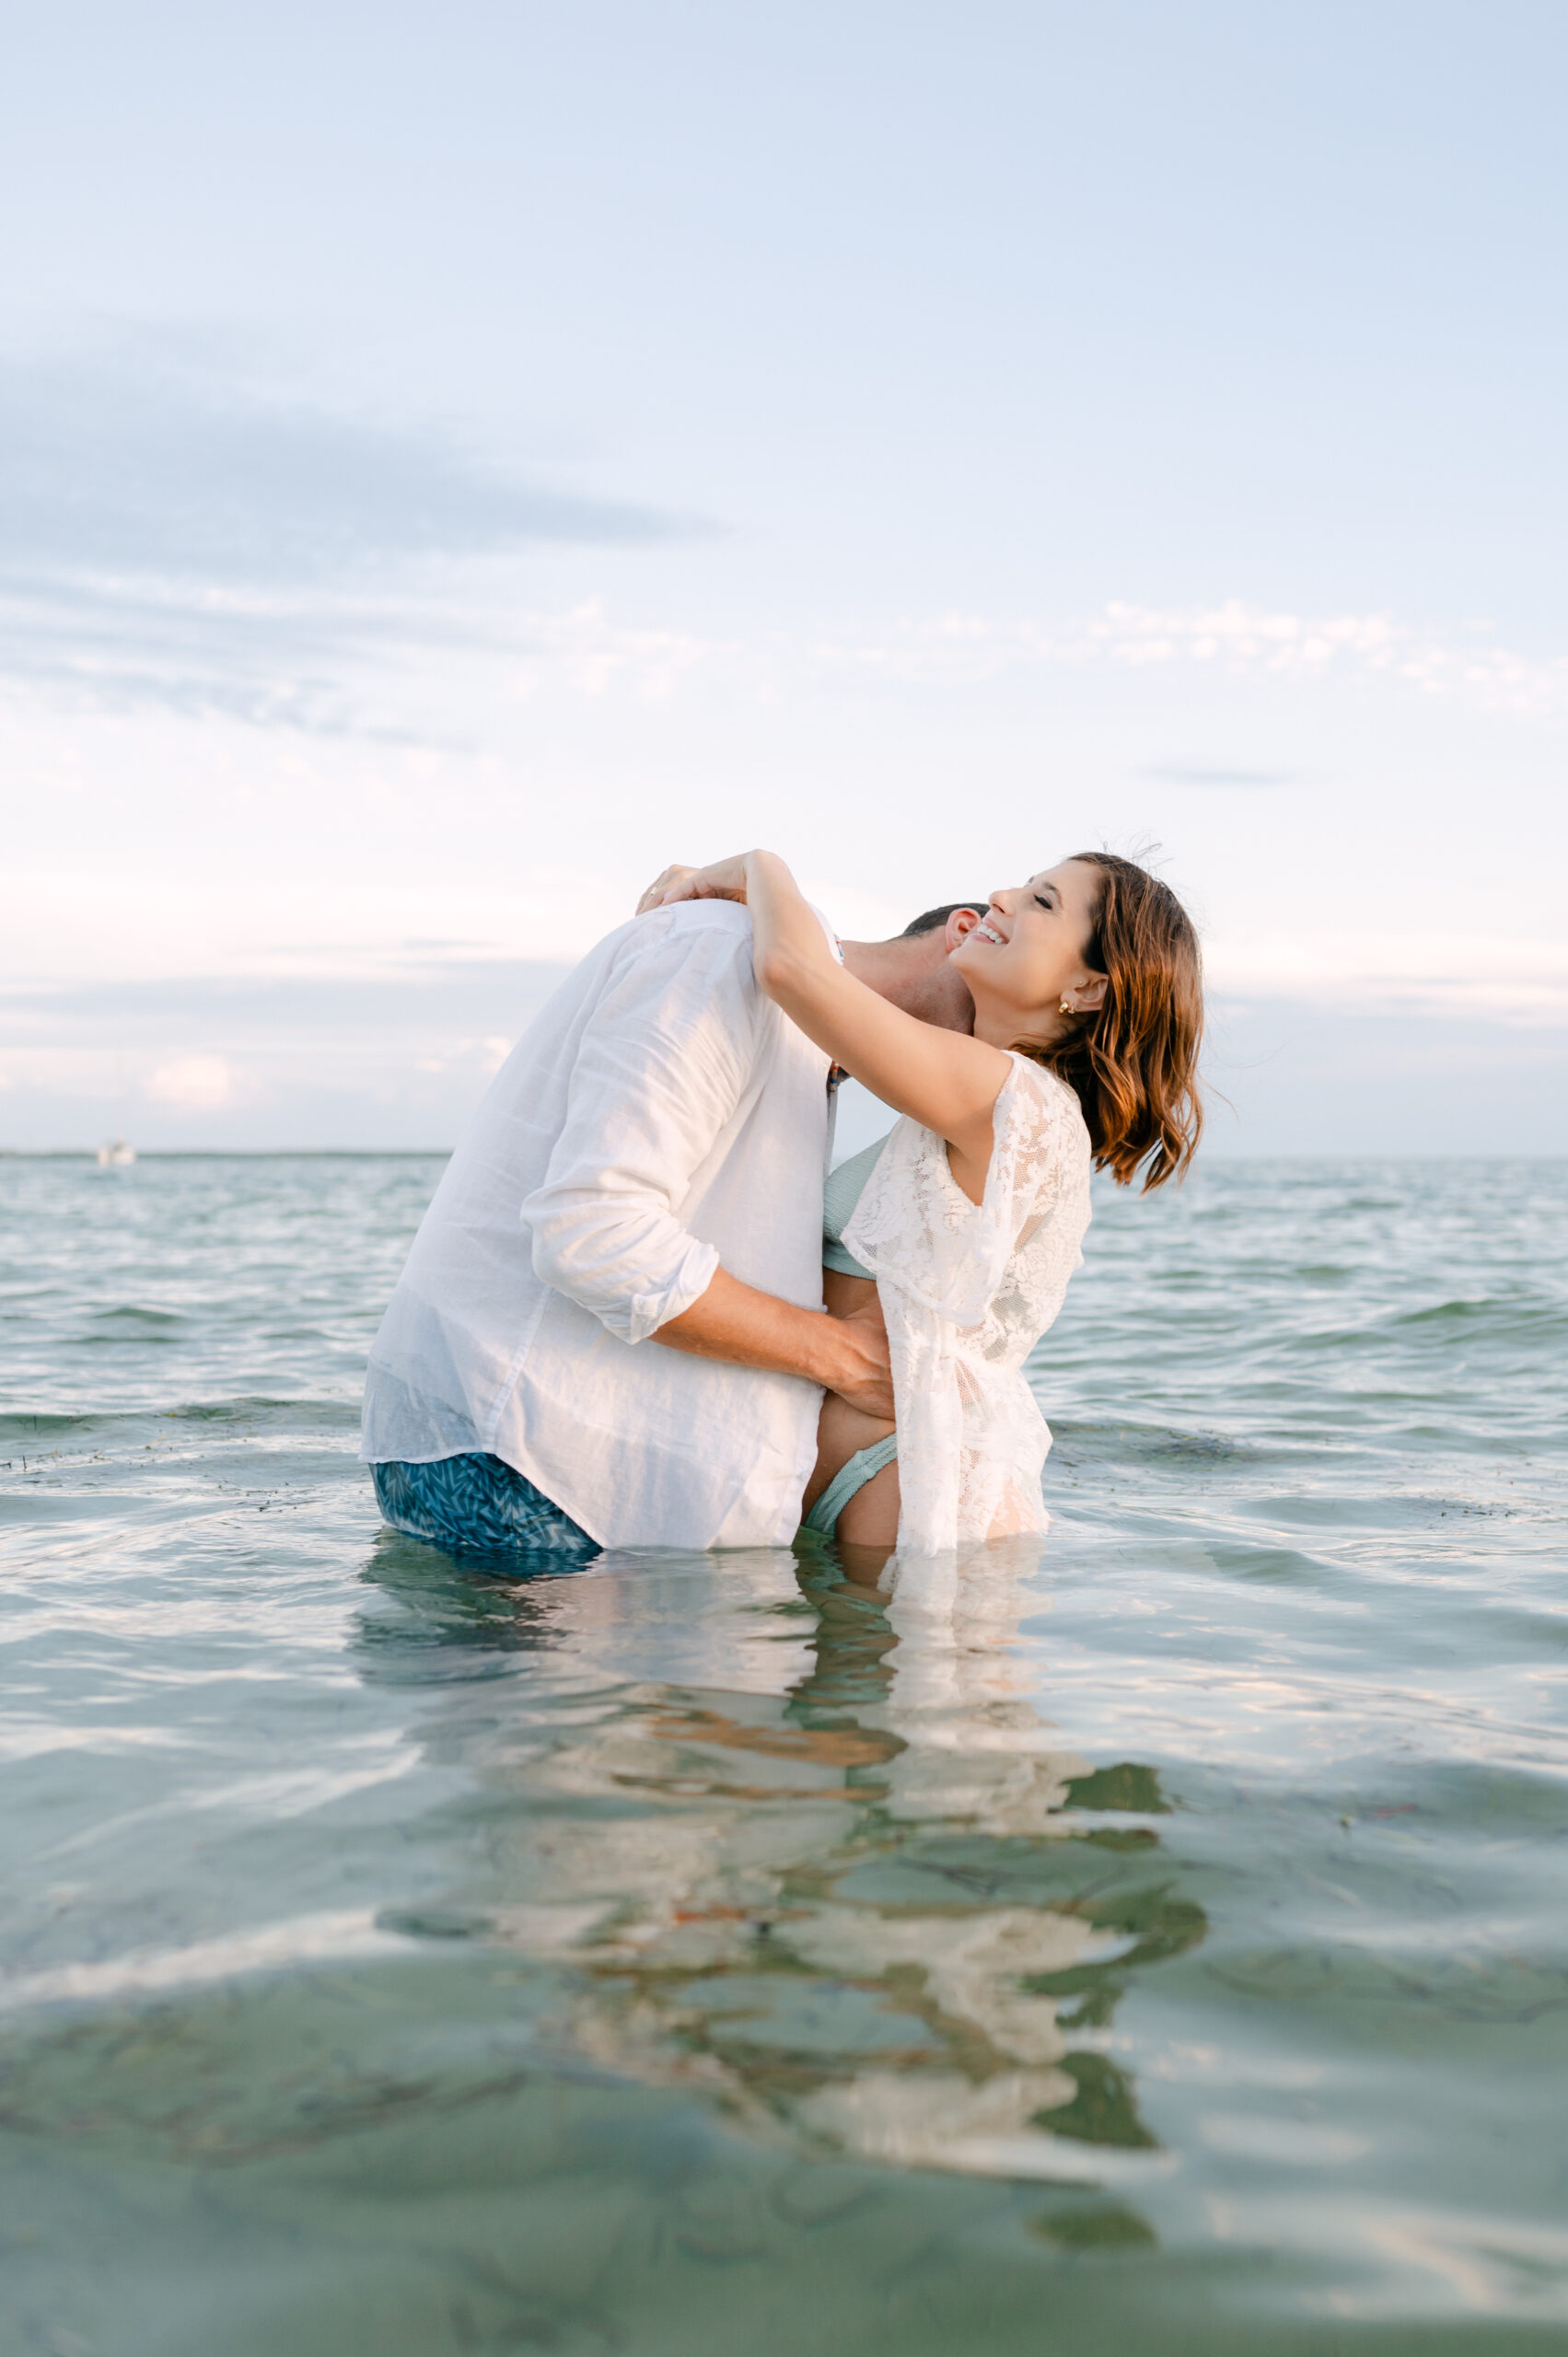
x=863, y=1376
x=736, y=1323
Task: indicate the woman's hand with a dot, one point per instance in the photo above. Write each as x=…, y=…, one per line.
x=723, y=880
x=660, y=886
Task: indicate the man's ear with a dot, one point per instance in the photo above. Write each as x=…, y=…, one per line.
x=961, y=921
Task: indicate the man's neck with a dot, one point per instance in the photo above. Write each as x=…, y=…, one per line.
x=914, y=971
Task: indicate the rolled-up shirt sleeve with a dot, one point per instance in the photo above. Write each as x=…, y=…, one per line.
x=661, y=1067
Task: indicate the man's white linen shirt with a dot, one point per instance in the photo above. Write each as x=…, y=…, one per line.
x=661, y=1118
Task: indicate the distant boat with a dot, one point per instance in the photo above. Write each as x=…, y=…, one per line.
x=116, y=1156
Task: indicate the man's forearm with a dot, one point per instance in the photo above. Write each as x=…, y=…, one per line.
x=736, y=1323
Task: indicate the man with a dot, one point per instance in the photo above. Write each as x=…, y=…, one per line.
x=610, y=1330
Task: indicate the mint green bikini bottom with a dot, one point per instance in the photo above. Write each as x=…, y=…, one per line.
x=824, y=1516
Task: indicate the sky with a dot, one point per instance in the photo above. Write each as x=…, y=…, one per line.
x=455, y=460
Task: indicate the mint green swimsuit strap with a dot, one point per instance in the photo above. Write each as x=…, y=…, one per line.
x=824, y=1516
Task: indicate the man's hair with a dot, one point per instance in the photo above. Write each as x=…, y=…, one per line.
x=934, y=917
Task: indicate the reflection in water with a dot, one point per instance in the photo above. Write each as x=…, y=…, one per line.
x=818, y=1855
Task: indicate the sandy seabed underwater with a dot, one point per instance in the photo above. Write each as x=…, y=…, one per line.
x=1153, y=1939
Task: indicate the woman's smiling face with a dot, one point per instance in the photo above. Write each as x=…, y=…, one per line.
x=1028, y=953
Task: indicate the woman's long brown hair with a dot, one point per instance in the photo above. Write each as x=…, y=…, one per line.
x=1133, y=1063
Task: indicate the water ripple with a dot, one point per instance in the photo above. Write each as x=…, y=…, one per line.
x=1160, y=1930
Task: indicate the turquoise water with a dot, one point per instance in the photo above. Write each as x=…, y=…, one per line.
x=1152, y=1940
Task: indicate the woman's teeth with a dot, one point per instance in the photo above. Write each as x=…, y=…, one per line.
x=985, y=932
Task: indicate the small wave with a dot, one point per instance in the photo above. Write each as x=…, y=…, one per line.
x=1514, y=1317
x=1147, y=1443
x=19, y=1427
x=25, y=1430
x=212, y=1411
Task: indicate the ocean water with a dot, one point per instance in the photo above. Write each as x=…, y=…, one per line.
x=1153, y=1939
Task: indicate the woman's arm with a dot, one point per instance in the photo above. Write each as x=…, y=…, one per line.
x=944, y=1079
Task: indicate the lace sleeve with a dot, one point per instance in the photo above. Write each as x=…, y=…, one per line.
x=916, y=1227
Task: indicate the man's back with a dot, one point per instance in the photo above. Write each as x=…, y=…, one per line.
x=659, y=1117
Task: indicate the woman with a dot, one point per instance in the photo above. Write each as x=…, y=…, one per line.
x=964, y=1226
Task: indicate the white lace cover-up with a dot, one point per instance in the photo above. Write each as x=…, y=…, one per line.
x=966, y=1290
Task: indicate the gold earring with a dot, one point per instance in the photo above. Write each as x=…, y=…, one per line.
x=1068, y=1007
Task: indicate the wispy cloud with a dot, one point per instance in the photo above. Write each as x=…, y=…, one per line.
x=329, y=662
x=1240, y=639
x=1172, y=773
x=339, y=659
x=172, y=535
x=168, y=534
x=114, y=467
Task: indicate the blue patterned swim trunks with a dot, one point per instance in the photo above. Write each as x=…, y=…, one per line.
x=478, y=1504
